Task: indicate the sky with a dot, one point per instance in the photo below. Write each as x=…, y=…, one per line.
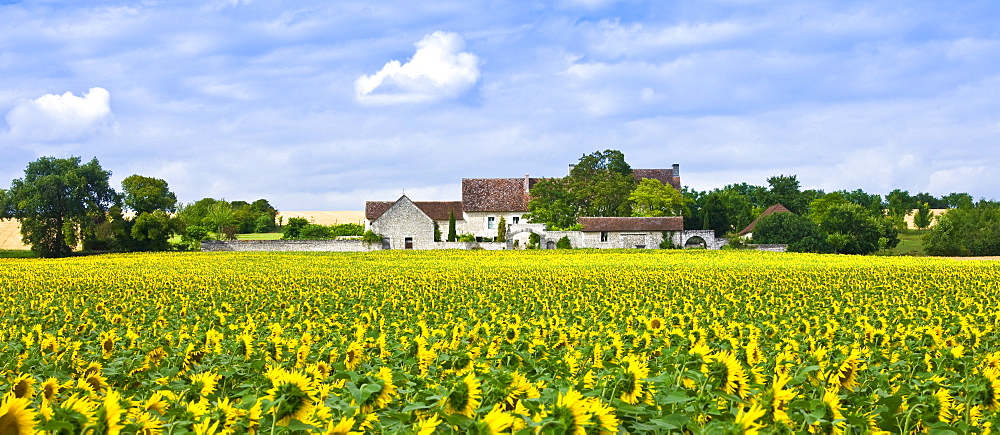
x=322, y=105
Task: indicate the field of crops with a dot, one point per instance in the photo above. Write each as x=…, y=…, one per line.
x=495, y=342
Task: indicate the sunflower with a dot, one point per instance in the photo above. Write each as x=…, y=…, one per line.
x=23, y=386
x=384, y=396
x=835, y=423
x=343, y=427
x=156, y=403
x=732, y=378
x=15, y=415
x=780, y=398
x=945, y=404
x=991, y=395
x=293, y=393
x=845, y=378
x=495, y=421
x=747, y=419
x=519, y=388
x=112, y=413
x=205, y=382
x=428, y=425
x=571, y=411
x=354, y=355
x=108, y=340
x=465, y=397
x=603, y=415
x=636, y=371
x=146, y=424
x=50, y=388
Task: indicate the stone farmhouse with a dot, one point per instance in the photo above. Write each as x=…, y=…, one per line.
x=408, y=224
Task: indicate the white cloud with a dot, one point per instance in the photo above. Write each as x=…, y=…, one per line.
x=438, y=69
x=65, y=117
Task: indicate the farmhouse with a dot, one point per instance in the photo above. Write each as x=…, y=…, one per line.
x=408, y=224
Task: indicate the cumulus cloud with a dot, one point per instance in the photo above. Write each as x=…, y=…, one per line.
x=439, y=69
x=66, y=117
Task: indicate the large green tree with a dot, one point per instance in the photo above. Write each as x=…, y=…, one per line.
x=152, y=201
x=57, y=200
x=964, y=231
x=652, y=198
x=799, y=233
x=785, y=191
x=598, y=185
x=147, y=194
x=854, y=230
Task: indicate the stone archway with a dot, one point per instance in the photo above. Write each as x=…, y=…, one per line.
x=696, y=242
x=550, y=245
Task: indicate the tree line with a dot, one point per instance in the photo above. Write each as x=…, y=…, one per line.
x=64, y=203
x=844, y=221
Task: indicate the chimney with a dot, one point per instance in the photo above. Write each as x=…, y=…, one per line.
x=526, y=183
x=677, y=170
x=571, y=166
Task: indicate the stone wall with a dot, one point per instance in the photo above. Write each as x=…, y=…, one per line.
x=769, y=247
x=289, y=245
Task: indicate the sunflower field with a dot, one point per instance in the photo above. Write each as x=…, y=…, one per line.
x=571, y=341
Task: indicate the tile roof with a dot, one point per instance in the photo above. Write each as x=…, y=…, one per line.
x=436, y=210
x=666, y=223
x=666, y=176
x=496, y=194
x=777, y=208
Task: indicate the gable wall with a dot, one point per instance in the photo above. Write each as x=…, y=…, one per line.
x=406, y=220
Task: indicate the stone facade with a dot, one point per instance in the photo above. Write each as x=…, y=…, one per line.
x=405, y=226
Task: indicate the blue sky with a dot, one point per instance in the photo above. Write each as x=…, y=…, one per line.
x=323, y=105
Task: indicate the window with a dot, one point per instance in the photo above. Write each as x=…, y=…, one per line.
x=491, y=222
x=604, y=236
x=408, y=243
x=515, y=219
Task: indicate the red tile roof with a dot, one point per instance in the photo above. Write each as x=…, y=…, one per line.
x=436, y=210
x=777, y=208
x=496, y=194
x=666, y=223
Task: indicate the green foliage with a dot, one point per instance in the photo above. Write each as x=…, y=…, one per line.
x=957, y=200
x=533, y=241
x=922, y=218
x=652, y=198
x=564, y=243
x=966, y=231
x=467, y=237
x=153, y=230
x=576, y=226
x=57, y=200
x=502, y=230
x=785, y=191
x=293, y=229
x=598, y=185
x=853, y=230
x=452, y=234
x=799, y=233
x=900, y=203
x=667, y=240
x=437, y=232
x=146, y=195
x=715, y=215
x=370, y=237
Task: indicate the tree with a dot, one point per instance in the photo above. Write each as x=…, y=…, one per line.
x=785, y=191
x=923, y=217
x=819, y=208
x=502, y=230
x=564, y=243
x=652, y=198
x=56, y=200
x=855, y=231
x=799, y=233
x=452, y=231
x=220, y=216
x=293, y=229
x=872, y=202
x=715, y=215
x=958, y=200
x=146, y=195
x=900, y=203
x=153, y=230
x=598, y=185
x=965, y=231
